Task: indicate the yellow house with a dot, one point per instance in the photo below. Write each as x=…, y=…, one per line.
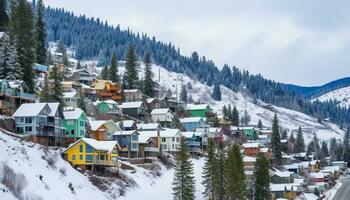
x=86, y=153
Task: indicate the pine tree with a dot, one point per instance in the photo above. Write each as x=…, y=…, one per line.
x=276, y=142
x=148, y=83
x=184, y=183
x=221, y=170
x=79, y=65
x=235, y=117
x=131, y=77
x=284, y=145
x=45, y=92
x=41, y=56
x=4, y=18
x=22, y=32
x=8, y=60
x=284, y=135
x=216, y=92
x=291, y=143
x=260, y=125
x=183, y=94
x=113, y=70
x=332, y=149
x=324, y=149
x=210, y=181
x=82, y=103
x=300, y=144
x=104, y=73
x=261, y=178
x=235, y=184
x=346, y=147
x=56, y=77
x=224, y=111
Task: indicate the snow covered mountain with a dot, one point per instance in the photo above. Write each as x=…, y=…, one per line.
x=288, y=119
x=341, y=95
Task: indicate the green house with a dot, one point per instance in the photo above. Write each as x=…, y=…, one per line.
x=108, y=106
x=199, y=110
x=75, y=123
x=250, y=133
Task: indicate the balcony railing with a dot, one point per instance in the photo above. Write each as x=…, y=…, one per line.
x=152, y=149
x=105, y=163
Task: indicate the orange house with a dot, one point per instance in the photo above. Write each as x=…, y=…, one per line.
x=251, y=149
x=102, y=130
x=106, y=89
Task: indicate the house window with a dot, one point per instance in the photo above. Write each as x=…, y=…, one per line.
x=80, y=157
x=164, y=146
x=134, y=137
x=88, y=149
x=163, y=139
x=102, y=157
x=81, y=132
x=173, y=139
x=82, y=123
x=28, y=129
x=21, y=119
x=177, y=139
x=81, y=148
x=88, y=158
x=73, y=157
x=28, y=120
x=134, y=146
x=72, y=132
x=19, y=129
x=172, y=146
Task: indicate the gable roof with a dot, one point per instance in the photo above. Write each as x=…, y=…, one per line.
x=72, y=114
x=127, y=123
x=150, y=126
x=197, y=106
x=146, y=135
x=136, y=104
x=54, y=108
x=191, y=119
x=69, y=94
x=29, y=109
x=251, y=145
x=126, y=132
x=160, y=111
x=100, y=84
x=97, y=145
x=95, y=124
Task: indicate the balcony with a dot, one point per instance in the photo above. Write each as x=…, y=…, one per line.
x=106, y=163
x=25, y=95
x=152, y=149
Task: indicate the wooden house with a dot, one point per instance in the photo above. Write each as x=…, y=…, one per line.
x=106, y=90
x=133, y=95
x=82, y=76
x=71, y=99
x=135, y=110
x=251, y=149
x=87, y=153
x=129, y=143
x=108, y=107
x=192, y=123
x=102, y=129
x=127, y=125
x=164, y=116
x=75, y=123
x=199, y=110
x=193, y=141
x=43, y=121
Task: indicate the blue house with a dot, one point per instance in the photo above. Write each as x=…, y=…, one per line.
x=193, y=141
x=129, y=143
x=191, y=123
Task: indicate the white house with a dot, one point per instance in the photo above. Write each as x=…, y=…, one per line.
x=163, y=115
x=170, y=140
x=71, y=99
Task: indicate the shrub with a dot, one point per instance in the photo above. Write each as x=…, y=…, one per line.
x=15, y=182
x=63, y=171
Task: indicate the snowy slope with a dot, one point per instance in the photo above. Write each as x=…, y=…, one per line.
x=27, y=158
x=341, y=95
x=289, y=119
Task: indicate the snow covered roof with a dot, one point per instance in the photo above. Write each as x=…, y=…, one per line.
x=251, y=145
x=169, y=132
x=150, y=100
x=125, y=132
x=310, y=196
x=188, y=134
x=317, y=175
x=131, y=91
x=100, y=84
x=97, y=145
x=330, y=169
x=69, y=94
x=190, y=119
x=150, y=126
x=160, y=111
x=95, y=124
x=264, y=150
x=54, y=107
x=284, y=174
x=249, y=159
x=136, y=104
x=146, y=135
x=29, y=109
x=127, y=123
x=197, y=106
x=284, y=186
x=73, y=114
x=263, y=136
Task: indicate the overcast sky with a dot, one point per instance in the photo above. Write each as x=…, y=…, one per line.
x=302, y=42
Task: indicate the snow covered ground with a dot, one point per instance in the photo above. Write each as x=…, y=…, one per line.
x=341, y=95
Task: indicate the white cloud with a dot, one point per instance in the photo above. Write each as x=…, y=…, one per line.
x=304, y=42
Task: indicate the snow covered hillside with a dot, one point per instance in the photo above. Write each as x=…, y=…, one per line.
x=45, y=174
x=341, y=95
x=289, y=119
